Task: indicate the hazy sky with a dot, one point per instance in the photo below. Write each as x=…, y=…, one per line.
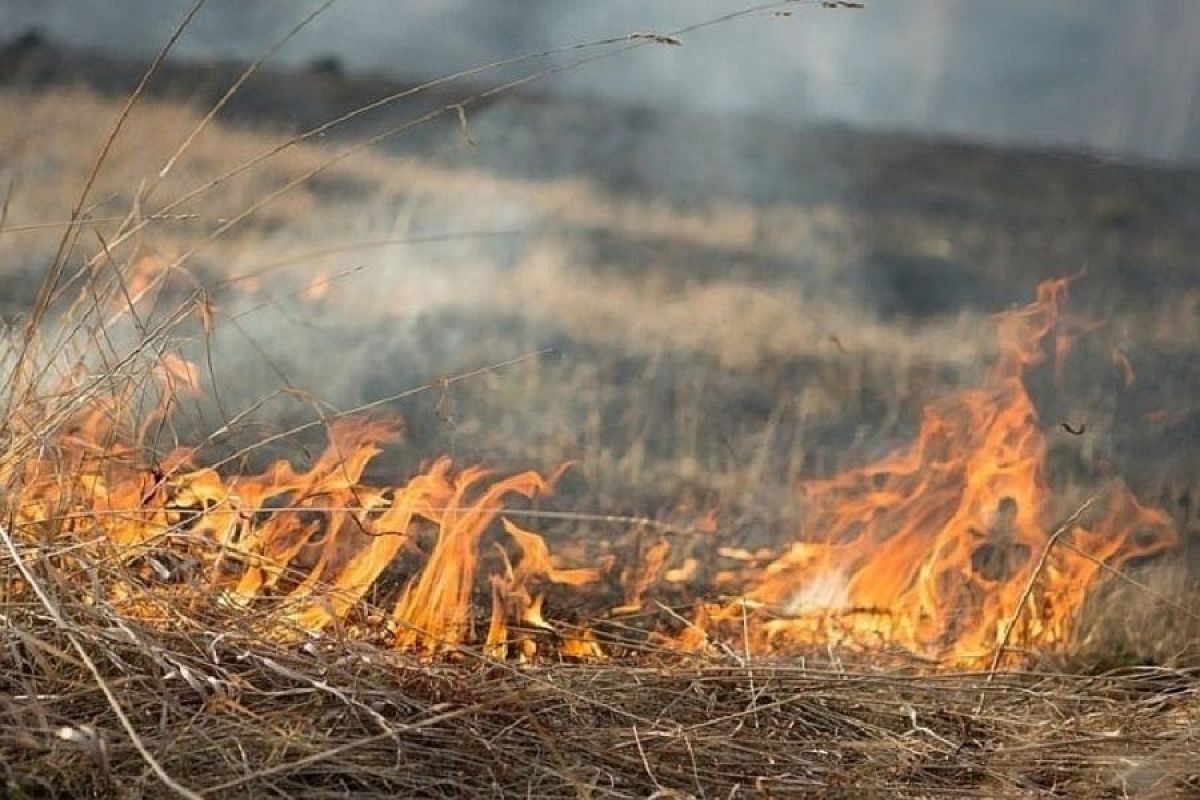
x=1116, y=75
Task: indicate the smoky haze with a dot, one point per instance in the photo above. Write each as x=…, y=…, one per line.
x=1119, y=77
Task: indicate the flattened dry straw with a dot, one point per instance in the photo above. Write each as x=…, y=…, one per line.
x=223, y=711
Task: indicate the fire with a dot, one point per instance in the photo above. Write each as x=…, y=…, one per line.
x=317, y=288
x=944, y=548
x=932, y=547
x=316, y=541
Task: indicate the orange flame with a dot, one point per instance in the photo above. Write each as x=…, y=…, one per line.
x=931, y=547
x=943, y=548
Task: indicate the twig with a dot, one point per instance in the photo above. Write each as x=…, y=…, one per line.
x=237, y=84
x=50, y=283
x=1061, y=531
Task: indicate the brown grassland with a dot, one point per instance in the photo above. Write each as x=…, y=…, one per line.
x=689, y=386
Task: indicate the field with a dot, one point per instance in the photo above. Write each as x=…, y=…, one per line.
x=694, y=350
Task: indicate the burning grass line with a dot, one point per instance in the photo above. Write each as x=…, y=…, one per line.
x=82, y=396
x=129, y=514
x=862, y=719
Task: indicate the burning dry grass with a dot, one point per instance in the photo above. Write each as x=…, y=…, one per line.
x=137, y=664
x=169, y=627
x=942, y=548
x=226, y=713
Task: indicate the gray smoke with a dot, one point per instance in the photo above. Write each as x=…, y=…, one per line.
x=1116, y=76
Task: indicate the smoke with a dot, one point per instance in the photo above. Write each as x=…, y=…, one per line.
x=1118, y=76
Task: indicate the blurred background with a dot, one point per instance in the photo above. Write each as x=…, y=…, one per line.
x=1116, y=76
x=724, y=266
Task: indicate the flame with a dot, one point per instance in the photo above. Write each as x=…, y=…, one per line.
x=143, y=274
x=318, y=287
x=176, y=373
x=943, y=548
x=314, y=541
x=931, y=548
x=514, y=596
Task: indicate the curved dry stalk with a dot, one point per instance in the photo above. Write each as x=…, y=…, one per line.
x=36, y=586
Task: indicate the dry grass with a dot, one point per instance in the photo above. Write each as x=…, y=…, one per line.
x=96, y=701
x=315, y=227
x=227, y=713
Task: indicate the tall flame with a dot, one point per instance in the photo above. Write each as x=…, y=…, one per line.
x=932, y=547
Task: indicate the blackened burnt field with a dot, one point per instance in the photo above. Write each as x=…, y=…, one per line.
x=698, y=314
